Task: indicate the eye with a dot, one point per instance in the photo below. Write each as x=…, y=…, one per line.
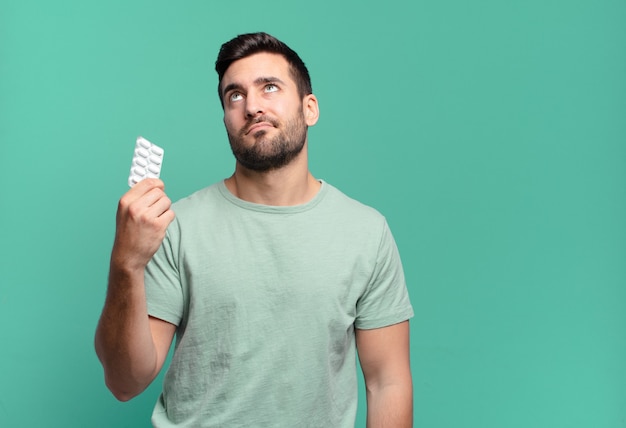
x=271, y=88
x=235, y=96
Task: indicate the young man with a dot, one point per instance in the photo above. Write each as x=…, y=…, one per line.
x=270, y=280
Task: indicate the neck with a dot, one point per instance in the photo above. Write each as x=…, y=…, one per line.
x=290, y=185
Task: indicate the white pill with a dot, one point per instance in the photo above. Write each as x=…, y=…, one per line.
x=139, y=171
x=146, y=162
x=141, y=162
x=155, y=160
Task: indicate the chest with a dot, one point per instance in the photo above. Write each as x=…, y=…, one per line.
x=274, y=269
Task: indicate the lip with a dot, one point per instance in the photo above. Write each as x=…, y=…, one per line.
x=259, y=125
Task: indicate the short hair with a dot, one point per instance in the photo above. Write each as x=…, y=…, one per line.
x=249, y=44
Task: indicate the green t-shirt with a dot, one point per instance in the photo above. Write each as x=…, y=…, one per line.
x=266, y=300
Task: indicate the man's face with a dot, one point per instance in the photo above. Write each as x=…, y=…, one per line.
x=265, y=118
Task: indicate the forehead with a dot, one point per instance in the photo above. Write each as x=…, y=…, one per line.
x=247, y=70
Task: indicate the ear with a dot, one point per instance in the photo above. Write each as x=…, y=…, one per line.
x=311, y=109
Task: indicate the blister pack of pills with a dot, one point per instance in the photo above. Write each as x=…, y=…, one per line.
x=147, y=161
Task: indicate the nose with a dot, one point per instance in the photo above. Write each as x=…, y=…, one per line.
x=254, y=105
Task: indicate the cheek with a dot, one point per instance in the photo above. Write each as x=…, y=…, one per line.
x=230, y=125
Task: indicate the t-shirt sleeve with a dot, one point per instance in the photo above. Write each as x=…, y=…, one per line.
x=385, y=300
x=164, y=292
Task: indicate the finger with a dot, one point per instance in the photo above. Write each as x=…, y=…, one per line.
x=167, y=217
x=144, y=186
x=144, y=209
x=149, y=183
x=138, y=191
x=159, y=206
x=152, y=197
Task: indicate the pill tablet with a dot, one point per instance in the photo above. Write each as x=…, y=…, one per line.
x=147, y=161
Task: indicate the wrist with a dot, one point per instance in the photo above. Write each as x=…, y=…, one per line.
x=126, y=267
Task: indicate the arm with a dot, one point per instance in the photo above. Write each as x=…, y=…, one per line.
x=132, y=346
x=384, y=357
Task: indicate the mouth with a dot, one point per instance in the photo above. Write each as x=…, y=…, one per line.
x=259, y=124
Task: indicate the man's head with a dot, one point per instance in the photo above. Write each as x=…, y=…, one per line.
x=245, y=45
x=265, y=92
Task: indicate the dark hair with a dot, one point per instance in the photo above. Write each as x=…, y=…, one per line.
x=245, y=45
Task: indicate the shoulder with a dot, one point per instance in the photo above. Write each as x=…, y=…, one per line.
x=351, y=217
x=197, y=200
x=350, y=207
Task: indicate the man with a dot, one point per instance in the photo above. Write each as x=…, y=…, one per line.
x=270, y=280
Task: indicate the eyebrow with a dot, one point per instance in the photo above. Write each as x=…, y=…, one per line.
x=258, y=81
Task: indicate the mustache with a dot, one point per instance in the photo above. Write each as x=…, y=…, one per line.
x=251, y=122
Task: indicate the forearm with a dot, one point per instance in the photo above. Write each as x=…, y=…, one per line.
x=390, y=406
x=123, y=340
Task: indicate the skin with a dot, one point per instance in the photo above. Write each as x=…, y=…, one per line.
x=262, y=111
x=257, y=86
x=131, y=345
x=384, y=358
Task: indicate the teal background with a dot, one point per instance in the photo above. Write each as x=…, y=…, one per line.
x=491, y=134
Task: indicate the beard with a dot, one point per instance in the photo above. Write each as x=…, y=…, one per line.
x=269, y=153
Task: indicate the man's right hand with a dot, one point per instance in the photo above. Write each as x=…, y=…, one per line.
x=143, y=215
